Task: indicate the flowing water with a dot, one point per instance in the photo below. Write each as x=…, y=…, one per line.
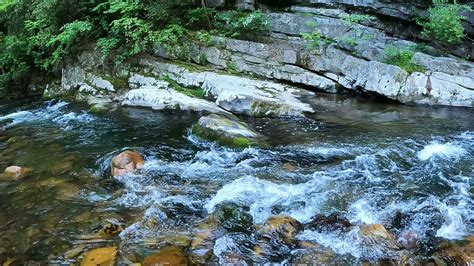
x=367, y=162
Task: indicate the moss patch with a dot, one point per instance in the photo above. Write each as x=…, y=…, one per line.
x=196, y=92
x=238, y=142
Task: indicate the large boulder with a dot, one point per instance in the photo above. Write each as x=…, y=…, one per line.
x=126, y=162
x=227, y=131
x=14, y=173
x=168, y=99
x=159, y=95
x=238, y=95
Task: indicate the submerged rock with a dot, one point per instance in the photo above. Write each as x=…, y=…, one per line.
x=317, y=255
x=284, y=227
x=227, y=131
x=233, y=218
x=204, y=239
x=14, y=173
x=100, y=256
x=111, y=228
x=126, y=162
x=460, y=252
x=375, y=235
x=167, y=256
x=331, y=222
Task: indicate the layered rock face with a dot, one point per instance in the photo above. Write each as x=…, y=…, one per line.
x=353, y=61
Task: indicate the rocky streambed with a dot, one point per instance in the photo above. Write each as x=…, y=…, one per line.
x=352, y=182
x=258, y=151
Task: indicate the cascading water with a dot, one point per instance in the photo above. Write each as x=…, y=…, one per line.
x=408, y=168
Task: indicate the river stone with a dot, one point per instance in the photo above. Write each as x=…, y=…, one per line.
x=168, y=99
x=331, y=222
x=375, y=235
x=126, y=162
x=461, y=252
x=284, y=227
x=205, y=235
x=167, y=256
x=100, y=256
x=316, y=255
x=227, y=131
x=14, y=173
x=233, y=217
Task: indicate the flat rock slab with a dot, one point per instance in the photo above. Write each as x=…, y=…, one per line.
x=238, y=95
x=228, y=131
x=168, y=99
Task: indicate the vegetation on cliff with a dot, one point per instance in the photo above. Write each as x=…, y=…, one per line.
x=36, y=36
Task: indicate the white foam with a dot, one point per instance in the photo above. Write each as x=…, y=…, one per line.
x=69, y=119
x=17, y=117
x=261, y=196
x=446, y=150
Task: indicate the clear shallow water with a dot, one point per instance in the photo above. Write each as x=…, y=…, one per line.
x=364, y=161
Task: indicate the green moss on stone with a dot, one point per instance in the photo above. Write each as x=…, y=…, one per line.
x=239, y=142
x=196, y=92
x=98, y=109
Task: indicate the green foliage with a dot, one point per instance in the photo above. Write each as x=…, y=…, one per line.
x=37, y=35
x=315, y=39
x=175, y=39
x=4, y=4
x=63, y=42
x=357, y=19
x=231, y=67
x=444, y=23
x=14, y=63
x=402, y=57
x=203, y=59
x=352, y=41
x=239, y=24
x=205, y=37
x=200, y=16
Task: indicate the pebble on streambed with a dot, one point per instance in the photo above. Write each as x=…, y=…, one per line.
x=126, y=162
x=14, y=173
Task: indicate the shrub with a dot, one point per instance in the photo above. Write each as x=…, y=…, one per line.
x=357, y=18
x=315, y=39
x=444, y=23
x=14, y=62
x=63, y=42
x=402, y=57
x=241, y=24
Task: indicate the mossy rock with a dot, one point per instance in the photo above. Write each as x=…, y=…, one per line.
x=98, y=108
x=228, y=132
x=233, y=217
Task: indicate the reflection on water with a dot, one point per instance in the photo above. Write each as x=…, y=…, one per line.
x=370, y=163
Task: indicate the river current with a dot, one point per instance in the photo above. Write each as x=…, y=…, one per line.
x=367, y=162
